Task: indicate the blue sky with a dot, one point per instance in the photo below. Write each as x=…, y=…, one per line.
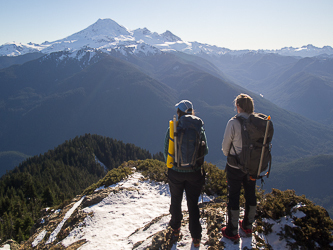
x=236, y=24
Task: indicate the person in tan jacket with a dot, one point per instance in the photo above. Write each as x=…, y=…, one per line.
x=231, y=146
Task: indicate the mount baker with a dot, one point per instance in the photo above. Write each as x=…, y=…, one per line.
x=107, y=35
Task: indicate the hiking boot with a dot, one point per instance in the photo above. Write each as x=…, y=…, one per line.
x=196, y=242
x=248, y=232
x=249, y=217
x=234, y=238
x=231, y=230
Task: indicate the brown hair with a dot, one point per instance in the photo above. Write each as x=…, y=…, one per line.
x=245, y=102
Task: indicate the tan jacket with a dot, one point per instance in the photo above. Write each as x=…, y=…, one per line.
x=233, y=136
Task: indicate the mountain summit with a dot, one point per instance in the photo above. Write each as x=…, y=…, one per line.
x=106, y=27
x=170, y=37
x=104, y=30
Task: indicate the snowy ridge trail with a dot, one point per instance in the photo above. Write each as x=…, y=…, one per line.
x=130, y=219
x=134, y=214
x=120, y=220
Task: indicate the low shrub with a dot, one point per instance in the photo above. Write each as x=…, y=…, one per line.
x=112, y=177
x=313, y=230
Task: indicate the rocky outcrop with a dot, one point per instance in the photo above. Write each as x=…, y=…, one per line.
x=99, y=195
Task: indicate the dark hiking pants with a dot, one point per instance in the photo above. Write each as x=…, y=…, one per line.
x=192, y=183
x=236, y=178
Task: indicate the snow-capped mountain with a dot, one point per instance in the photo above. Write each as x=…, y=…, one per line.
x=305, y=51
x=104, y=35
x=16, y=49
x=107, y=35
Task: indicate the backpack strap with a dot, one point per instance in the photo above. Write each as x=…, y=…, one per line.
x=240, y=119
x=180, y=158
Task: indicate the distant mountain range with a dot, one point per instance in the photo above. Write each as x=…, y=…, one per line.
x=123, y=84
x=301, y=85
x=63, y=94
x=286, y=77
x=106, y=35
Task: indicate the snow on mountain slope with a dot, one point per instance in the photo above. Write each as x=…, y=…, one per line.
x=135, y=215
x=16, y=49
x=305, y=51
x=107, y=35
x=120, y=220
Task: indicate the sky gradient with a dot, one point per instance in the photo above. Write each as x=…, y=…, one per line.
x=237, y=24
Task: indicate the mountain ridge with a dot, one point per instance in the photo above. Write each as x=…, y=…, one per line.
x=116, y=36
x=92, y=91
x=84, y=222
x=294, y=84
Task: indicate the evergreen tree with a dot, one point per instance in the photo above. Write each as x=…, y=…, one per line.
x=20, y=237
x=48, y=197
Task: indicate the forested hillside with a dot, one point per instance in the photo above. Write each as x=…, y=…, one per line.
x=58, y=175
